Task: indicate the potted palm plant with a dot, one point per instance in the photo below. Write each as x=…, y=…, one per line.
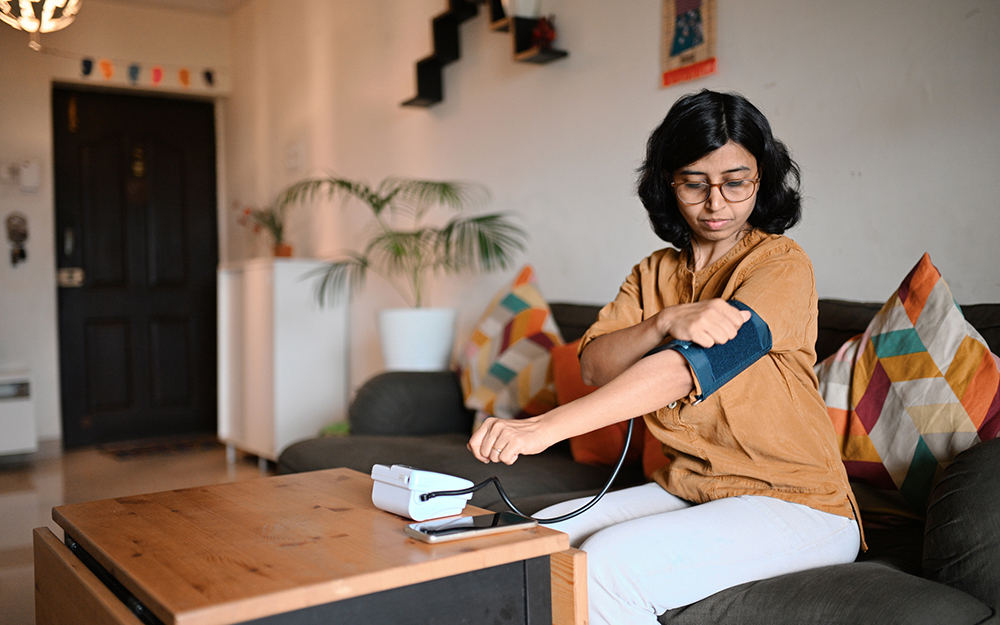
x=405, y=249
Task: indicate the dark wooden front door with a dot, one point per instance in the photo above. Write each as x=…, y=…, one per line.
x=136, y=251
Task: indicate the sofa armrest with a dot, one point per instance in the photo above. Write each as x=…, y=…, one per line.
x=410, y=403
x=962, y=535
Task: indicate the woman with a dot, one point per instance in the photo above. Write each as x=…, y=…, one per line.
x=755, y=487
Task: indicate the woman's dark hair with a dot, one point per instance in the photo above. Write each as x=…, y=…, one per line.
x=701, y=123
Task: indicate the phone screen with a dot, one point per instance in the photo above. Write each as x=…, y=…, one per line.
x=440, y=530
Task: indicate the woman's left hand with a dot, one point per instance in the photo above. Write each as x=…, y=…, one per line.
x=504, y=440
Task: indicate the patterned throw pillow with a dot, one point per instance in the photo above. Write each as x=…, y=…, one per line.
x=505, y=368
x=917, y=388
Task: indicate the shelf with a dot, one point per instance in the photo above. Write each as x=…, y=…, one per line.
x=444, y=28
x=540, y=55
x=524, y=29
x=430, y=88
x=498, y=18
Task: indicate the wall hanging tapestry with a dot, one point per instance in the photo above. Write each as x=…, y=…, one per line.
x=688, y=40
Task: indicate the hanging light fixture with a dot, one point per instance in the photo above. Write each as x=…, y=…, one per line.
x=52, y=14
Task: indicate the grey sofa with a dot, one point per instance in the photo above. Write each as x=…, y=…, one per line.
x=943, y=571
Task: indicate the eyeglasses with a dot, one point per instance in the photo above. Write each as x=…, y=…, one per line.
x=732, y=190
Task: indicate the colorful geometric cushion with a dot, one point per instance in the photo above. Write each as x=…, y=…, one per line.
x=505, y=368
x=918, y=387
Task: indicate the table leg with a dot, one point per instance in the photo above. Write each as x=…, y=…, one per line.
x=569, y=587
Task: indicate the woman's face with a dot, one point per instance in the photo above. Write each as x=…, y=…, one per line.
x=716, y=221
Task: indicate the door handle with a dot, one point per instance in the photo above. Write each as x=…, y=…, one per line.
x=69, y=243
x=71, y=277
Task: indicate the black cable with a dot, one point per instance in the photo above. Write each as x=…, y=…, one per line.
x=495, y=480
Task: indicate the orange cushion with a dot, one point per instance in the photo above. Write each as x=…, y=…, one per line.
x=604, y=446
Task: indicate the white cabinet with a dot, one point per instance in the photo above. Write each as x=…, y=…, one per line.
x=17, y=414
x=283, y=359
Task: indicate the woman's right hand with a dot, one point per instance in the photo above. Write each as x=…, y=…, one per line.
x=504, y=440
x=706, y=323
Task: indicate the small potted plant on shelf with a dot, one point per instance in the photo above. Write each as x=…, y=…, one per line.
x=405, y=249
x=272, y=219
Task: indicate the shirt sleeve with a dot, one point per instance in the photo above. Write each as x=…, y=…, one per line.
x=781, y=288
x=624, y=312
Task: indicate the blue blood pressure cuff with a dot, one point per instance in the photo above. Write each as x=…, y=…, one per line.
x=716, y=365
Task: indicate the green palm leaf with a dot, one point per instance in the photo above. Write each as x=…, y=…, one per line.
x=340, y=277
x=409, y=254
x=484, y=243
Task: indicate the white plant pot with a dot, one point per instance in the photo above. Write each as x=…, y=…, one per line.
x=417, y=339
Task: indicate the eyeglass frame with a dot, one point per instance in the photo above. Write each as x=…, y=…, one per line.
x=755, y=181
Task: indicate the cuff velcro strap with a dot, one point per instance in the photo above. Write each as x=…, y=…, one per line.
x=714, y=366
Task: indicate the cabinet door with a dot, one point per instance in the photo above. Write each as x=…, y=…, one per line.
x=283, y=358
x=310, y=356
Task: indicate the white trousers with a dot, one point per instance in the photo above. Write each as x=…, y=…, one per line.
x=649, y=551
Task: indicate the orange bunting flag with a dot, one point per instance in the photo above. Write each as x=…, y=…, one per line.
x=107, y=69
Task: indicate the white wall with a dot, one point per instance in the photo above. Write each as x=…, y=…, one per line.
x=889, y=107
x=125, y=34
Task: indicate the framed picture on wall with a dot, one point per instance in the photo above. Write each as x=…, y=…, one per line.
x=688, y=49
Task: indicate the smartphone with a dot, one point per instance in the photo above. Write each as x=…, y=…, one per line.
x=442, y=530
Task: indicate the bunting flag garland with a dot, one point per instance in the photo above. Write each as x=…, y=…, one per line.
x=135, y=73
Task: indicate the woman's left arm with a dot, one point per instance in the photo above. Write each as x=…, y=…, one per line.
x=646, y=386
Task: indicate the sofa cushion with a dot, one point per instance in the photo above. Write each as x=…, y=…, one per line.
x=410, y=403
x=574, y=319
x=916, y=389
x=962, y=539
x=505, y=367
x=840, y=321
x=860, y=593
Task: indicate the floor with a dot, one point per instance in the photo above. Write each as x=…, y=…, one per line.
x=30, y=486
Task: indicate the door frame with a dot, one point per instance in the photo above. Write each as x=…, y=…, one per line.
x=222, y=229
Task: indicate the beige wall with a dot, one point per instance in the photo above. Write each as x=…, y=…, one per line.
x=890, y=109
x=102, y=30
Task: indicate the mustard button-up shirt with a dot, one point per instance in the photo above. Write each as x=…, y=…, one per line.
x=767, y=431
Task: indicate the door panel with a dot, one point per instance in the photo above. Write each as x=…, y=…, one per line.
x=107, y=352
x=167, y=232
x=104, y=213
x=136, y=210
x=170, y=340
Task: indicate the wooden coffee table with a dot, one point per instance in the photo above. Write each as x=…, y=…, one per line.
x=303, y=548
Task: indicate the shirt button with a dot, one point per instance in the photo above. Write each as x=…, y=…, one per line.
x=672, y=405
